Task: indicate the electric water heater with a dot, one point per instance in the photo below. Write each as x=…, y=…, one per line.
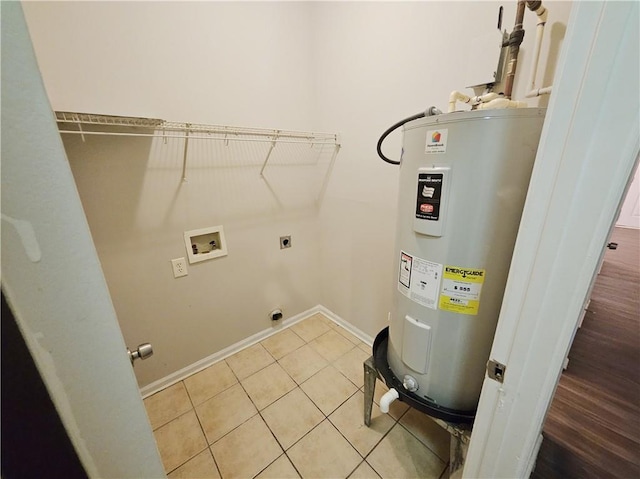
x=463, y=181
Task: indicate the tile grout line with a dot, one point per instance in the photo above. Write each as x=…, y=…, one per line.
x=416, y=436
x=238, y=382
x=364, y=457
x=332, y=327
x=444, y=471
x=396, y=422
x=258, y=412
x=191, y=457
x=338, y=429
x=326, y=417
x=359, y=464
x=288, y=328
x=298, y=386
x=186, y=390
x=291, y=462
x=175, y=418
x=256, y=371
x=204, y=434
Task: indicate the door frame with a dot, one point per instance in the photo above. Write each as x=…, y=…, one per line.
x=588, y=150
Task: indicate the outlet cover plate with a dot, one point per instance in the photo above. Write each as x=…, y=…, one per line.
x=179, y=267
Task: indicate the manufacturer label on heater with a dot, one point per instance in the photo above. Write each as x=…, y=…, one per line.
x=429, y=196
x=461, y=290
x=419, y=280
x=436, y=141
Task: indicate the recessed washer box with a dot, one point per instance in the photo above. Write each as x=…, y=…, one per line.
x=205, y=243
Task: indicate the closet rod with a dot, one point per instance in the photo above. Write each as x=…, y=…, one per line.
x=192, y=137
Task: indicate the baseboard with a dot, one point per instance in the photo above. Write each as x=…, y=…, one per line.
x=346, y=325
x=204, y=363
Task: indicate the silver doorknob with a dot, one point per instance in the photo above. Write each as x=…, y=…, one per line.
x=143, y=352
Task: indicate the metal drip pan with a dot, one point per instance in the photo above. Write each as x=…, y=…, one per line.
x=413, y=400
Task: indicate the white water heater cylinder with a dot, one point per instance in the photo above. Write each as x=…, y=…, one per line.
x=463, y=181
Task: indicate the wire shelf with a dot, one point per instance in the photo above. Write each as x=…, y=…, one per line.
x=193, y=130
x=106, y=120
x=95, y=124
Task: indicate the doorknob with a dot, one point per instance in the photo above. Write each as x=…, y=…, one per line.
x=143, y=352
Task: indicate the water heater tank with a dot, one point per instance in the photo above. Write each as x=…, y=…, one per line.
x=463, y=181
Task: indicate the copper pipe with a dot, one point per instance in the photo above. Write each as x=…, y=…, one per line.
x=515, y=39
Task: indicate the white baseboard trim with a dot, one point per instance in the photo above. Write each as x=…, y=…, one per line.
x=204, y=363
x=364, y=337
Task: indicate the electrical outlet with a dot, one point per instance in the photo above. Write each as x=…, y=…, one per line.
x=179, y=267
x=285, y=242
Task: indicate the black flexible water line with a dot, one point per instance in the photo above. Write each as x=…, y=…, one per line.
x=431, y=111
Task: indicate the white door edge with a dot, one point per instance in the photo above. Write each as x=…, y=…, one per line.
x=53, y=281
x=587, y=153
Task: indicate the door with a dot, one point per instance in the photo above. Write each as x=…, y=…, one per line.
x=588, y=149
x=53, y=282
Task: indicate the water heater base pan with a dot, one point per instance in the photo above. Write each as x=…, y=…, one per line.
x=413, y=400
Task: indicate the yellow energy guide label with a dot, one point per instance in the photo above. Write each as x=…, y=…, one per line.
x=461, y=290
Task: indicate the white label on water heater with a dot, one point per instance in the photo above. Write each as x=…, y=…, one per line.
x=436, y=141
x=419, y=280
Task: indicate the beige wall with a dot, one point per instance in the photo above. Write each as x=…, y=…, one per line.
x=223, y=63
x=349, y=67
x=236, y=63
x=138, y=208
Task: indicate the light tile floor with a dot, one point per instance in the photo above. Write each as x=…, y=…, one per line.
x=292, y=406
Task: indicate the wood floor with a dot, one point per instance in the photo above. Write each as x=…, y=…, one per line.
x=593, y=427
